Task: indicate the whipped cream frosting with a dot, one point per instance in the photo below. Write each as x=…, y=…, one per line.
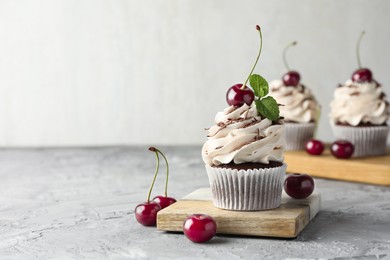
x=359, y=103
x=241, y=135
x=298, y=103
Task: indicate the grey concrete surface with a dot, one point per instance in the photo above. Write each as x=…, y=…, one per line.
x=78, y=203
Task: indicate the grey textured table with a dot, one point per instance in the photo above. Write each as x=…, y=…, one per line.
x=79, y=203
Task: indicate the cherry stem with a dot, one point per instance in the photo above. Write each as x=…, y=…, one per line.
x=285, y=52
x=155, y=173
x=257, y=59
x=167, y=175
x=358, y=48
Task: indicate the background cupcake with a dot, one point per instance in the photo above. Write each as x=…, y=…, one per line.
x=359, y=114
x=299, y=107
x=244, y=150
x=360, y=111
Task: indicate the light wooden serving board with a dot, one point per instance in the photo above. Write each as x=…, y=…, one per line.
x=287, y=221
x=372, y=170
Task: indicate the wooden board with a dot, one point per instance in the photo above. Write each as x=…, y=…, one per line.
x=372, y=170
x=286, y=221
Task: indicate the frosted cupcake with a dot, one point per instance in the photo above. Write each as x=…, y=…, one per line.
x=360, y=111
x=245, y=147
x=300, y=111
x=299, y=107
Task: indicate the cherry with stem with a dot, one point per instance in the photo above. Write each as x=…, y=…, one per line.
x=146, y=213
x=361, y=74
x=163, y=201
x=241, y=94
x=291, y=78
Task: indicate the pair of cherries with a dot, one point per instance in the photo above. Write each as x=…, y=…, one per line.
x=340, y=149
x=146, y=213
x=197, y=227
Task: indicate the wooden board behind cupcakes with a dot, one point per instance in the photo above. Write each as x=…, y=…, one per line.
x=372, y=170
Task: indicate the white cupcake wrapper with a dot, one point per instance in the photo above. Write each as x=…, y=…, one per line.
x=368, y=141
x=298, y=134
x=246, y=190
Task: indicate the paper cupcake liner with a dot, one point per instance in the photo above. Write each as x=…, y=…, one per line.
x=298, y=134
x=246, y=190
x=368, y=141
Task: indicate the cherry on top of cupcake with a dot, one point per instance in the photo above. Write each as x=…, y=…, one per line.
x=362, y=74
x=240, y=94
x=292, y=77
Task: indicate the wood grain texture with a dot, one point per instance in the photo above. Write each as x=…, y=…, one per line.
x=287, y=221
x=372, y=170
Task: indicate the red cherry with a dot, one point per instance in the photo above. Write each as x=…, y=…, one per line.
x=164, y=201
x=146, y=213
x=199, y=228
x=314, y=147
x=299, y=186
x=342, y=149
x=362, y=75
x=235, y=96
x=291, y=78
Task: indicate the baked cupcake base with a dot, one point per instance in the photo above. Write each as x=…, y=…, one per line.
x=246, y=189
x=298, y=134
x=367, y=140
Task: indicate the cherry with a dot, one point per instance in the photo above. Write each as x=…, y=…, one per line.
x=362, y=75
x=314, y=147
x=342, y=149
x=146, y=213
x=236, y=96
x=240, y=94
x=199, y=228
x=299, y=186
x=291, y=78
x=164, y=201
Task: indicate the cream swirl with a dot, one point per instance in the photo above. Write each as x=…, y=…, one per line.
x=299, y=104
x=359, y=103
x=240, y=135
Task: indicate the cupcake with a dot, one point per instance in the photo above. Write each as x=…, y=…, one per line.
x=299, y=107
x=244, y=151
x=359, y=113
x=300, y=111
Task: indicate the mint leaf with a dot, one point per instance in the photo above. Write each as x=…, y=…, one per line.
x=259, y=85
x=268, y=108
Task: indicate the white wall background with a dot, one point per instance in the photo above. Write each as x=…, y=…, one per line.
x=156, y=71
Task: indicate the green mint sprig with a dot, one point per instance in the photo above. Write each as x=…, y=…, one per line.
x=266, y=105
